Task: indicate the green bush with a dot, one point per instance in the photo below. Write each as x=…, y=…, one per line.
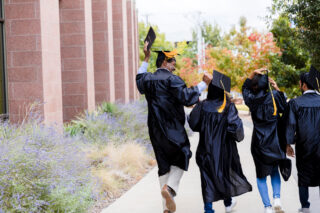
x=109, y=108
x=112, y=122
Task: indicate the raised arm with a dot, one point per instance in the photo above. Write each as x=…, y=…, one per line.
x=235, y=126
x=279, y=96
x=194, y=119
x=142, y=72
x=184, y=95
x=247, y=92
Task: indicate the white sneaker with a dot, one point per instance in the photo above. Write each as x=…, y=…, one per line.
x=304, y=210
x=233, y=204
x=268, y=210
x=277, y=206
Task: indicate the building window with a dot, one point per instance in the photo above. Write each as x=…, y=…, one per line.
x=3, y=86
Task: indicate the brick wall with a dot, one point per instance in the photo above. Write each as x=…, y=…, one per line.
x=103, y=50
x=89, y=57
x=51, y=64
x=76, y=57
x=30, y=63
x=131, y=61
x=69, y=55
x=136, y=45
x=120, y=44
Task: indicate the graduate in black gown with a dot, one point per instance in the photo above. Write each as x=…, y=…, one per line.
x=217, y=120
x=302, y=128
x=167, y=94
x=265, y=106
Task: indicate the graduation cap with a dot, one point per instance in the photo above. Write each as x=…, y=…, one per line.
x=223, y=82
x=314, y=78
x=151, y=37
x=168, y=54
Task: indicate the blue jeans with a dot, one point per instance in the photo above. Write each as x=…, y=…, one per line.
x=263, y=188
x=208, y=206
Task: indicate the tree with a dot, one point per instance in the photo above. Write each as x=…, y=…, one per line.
x=237, y=54
x=242, y=51
x=296, y=26
x=295, y=58
x=305, y=15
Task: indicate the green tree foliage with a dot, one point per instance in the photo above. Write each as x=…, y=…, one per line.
x=237, y=53
x=296, y=25
x=294, y=59
x=306, y=16
x=288, y=40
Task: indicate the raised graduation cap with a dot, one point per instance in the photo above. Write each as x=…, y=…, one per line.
x=151, y=37
x=314, y=78
x=221, y=81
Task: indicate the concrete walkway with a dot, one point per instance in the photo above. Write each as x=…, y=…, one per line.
x=145, y=196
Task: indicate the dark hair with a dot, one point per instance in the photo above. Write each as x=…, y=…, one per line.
x=255, y=80
x=259, y=83
x=304, y=79
x=160, y=59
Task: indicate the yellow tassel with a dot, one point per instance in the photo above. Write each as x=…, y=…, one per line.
x=274, y=103
x=221, y=108
x=171, y=54
x=274, y=106
x=318, y=84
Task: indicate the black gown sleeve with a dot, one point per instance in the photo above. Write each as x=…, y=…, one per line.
x=194, y=119
x=248, y=96
x=281, y=101
x=235, y=126
x=140, y=81
x=289, y=122
x=184, y=95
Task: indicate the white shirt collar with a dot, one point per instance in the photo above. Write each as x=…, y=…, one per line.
x=311, y=91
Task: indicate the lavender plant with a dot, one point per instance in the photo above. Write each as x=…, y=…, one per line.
x=42, y=171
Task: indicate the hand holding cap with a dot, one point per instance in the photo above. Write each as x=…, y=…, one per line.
x=207, y=78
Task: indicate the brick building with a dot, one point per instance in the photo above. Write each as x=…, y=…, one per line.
x=68, y=55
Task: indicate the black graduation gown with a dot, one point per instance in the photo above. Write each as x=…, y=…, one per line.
x=265, y=144
x=167, y=94
x=302, y=127
x=217, y=154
